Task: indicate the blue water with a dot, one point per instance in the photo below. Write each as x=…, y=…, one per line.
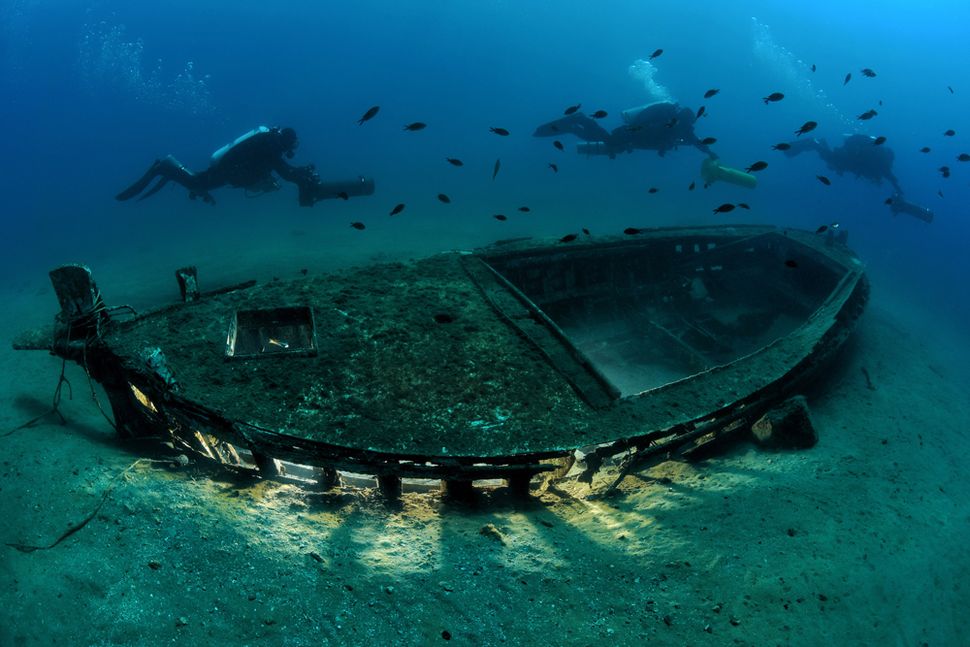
x=94, y=91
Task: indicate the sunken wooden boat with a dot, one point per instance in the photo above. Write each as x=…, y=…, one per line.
x=500, y=363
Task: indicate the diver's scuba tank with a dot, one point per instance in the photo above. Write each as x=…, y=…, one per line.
x=712, y=171
x=630, y=114
x=238, y=140
x=657, y=111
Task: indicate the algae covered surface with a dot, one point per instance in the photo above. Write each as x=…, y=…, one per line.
x=412, y=359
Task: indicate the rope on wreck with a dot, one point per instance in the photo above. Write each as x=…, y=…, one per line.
x=29, y=548
x=94, y=393
x=55, y=407
x=97, y=309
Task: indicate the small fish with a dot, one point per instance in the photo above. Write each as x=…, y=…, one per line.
x=555, y=169
x=357, y=225
x=586, y=231
x=397, y=209
x=455, y=161
x=867, y=115
x=868, y=73
x=673, y=122
x=278, y=343
x=944, y=171
x=757, y=166
x=950, y=133
x=691, y=186
x=652, y=189
x=813, y=67
x=599, y=114
x=925, y=149
x=525, y=209
x=500, y=216
x=879, y=141
x=791, y=263
x=824, y=180
x=774, y=96
x=808, y=126
x=499, y=131
x=417, y=125
x=443, y=198
x=744, y=205
x=368, y=115
x=343, y=195
x=700, y=112
x=887, y=201
x=571, y=109
x=950, y=88
x=781, y=147
x=631, y=231
x=822, y=229
x=710, y=93
x=557, y=144
x=707, y=141
x=656, y=53
x=963, y=157
x=568, y=238
x=724, y=208
x=304, y=271
x=495, y=169
x=940, y=193
x=848, y=77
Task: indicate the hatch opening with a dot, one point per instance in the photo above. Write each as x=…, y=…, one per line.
x=271, y=332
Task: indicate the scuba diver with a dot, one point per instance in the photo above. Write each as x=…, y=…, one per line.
x=859, y=155
x=659, y=126
x=249, y=163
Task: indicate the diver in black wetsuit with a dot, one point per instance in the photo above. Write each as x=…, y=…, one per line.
x=249, y=163
x=859, y=155
x=659, y=126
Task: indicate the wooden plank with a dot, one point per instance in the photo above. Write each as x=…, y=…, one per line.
x=519, y=311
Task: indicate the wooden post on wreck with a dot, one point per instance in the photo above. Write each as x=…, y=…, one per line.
x=327, y=478
x=188, y=281
x=390, y=486
x=519, y=484
x=267, y=465
x=458, y=489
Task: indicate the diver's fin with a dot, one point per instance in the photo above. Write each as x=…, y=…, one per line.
x=155, y=189
x=140, y=184
x=802, y=145
x=576, y=124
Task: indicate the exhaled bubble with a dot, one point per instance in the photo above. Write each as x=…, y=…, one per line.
x=787, y=69
x=109, y=61
x=644, y=71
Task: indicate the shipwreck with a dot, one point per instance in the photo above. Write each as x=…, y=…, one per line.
x=524, y=358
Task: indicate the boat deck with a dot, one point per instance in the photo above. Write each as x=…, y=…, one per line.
x=490, y=355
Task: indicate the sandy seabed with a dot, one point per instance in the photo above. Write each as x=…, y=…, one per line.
x=860, y=540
